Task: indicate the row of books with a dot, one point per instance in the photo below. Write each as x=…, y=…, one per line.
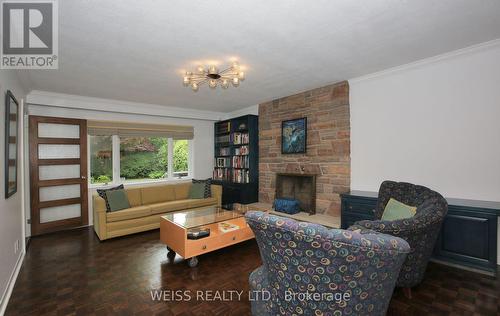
x=234, y=175
x=224, y=127
x=241, y=162
x=239, y=138
x=241, y=176
x=222, y=162
x=222, y=174
x=223, y=139
x=243, y=150
x=224, y=151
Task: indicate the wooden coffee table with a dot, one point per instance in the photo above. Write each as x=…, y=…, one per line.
x=174, y=228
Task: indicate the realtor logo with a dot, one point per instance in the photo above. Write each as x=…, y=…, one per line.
x=29, y=34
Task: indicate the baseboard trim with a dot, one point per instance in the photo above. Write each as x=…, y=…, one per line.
x=10, y=285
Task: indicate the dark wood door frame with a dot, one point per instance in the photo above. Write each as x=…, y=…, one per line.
x=38, y=228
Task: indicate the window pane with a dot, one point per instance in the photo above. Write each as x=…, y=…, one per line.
x=181, y=154
x=101, y=159
x=143, y=158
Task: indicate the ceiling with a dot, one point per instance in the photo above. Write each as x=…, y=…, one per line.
x=137, y=50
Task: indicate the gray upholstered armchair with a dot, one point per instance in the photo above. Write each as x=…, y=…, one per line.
x=354, y=273
x=420, y=231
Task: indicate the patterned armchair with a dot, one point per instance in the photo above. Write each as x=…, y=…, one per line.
x=420, y=231
x=311, y=270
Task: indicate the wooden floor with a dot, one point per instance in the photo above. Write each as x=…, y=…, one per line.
x=72, y=273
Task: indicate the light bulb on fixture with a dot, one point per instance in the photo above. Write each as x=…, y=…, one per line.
x=194, y=86
x=225, y=84
x=200, y=69
x=212, y=70
x=236, y=65
x=186, y=78
x=241, y=75
x=212, y=83
x=236, y=81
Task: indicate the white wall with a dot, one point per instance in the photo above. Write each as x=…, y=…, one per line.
x=435, y=123
x=11, y=210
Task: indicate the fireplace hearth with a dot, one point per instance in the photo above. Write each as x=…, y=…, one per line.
x=301, y=187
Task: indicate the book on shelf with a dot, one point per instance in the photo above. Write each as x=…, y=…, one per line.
x=242, y=150
x=224, y=127
x=227, y=227
x=224, y=151
x=241, y=175
x=222, y=162
x=239, y=138
x=241, y=162
x=223, y=139
x=222, y=174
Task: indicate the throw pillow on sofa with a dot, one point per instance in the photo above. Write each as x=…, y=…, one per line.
x=395, y=210
x=117, y=200
x=197, y=191
x=207, y=189
x=102, y=193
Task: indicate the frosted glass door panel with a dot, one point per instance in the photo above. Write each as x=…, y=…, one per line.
x=59, y=172
x=46, y=151
x=59, y=192
x=57, y=213
x=50, y=130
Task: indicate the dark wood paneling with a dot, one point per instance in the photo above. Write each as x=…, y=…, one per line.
x=51, y=162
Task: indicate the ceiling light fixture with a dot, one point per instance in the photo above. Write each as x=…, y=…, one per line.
x=214, y=77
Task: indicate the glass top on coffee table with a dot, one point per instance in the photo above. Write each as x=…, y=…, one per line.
x=202, y=216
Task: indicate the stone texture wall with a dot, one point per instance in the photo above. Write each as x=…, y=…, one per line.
x=328, y=143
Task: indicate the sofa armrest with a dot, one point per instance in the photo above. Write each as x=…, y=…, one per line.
x=99, y=209
x=216, y=191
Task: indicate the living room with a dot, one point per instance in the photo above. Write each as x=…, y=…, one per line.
x=251, y=158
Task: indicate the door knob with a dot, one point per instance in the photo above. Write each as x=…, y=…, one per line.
x=84, y=177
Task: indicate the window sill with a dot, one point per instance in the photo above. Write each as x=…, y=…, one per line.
x=133, y=183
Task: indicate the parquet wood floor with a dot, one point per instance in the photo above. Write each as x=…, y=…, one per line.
x=72, y=273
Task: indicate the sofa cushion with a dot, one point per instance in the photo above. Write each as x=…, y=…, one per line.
x=192, y=203
x=157, y=194
x=197, y=191
x=182, y=191
x=206, y=183
x=129, y=213
x=170, y=206
x=117, y=200
x=134, y=197
x=102, y=193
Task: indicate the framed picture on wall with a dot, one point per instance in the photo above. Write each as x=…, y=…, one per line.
x=11, y=141
x=294, y=136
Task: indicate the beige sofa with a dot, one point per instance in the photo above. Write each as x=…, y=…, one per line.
x=147, y=205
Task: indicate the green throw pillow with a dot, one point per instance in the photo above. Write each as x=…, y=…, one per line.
x=197, y=191
x=395, y=210
x=117, y=200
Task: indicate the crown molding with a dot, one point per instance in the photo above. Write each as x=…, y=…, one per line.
x=431, y=60
x=69, y=101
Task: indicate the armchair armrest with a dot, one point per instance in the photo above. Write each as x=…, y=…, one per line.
x=99, y=209
x=216, y=191
x=99, y=204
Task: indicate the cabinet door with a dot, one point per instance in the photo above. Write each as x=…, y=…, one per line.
x=356, y=209
x=468, y=237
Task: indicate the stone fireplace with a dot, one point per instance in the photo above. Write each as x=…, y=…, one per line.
x=301, y=187
x=328, y=145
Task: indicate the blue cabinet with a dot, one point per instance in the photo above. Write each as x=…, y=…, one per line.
x=468, y=236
